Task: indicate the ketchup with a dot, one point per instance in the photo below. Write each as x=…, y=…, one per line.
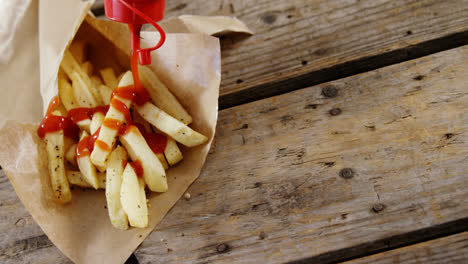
x=52, y=123
x=122, y=108
x=82, y=113
x=136, y=165
x=142, y=95
x=86, y=145
x=157, y=142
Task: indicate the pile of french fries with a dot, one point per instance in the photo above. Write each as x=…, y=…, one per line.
x=80, y=85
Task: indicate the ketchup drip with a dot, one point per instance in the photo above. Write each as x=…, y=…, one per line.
x=136, y=165
x=157, y=142
x=142, y=95
x=52, y=123
x=82, y=113
x=86, y=145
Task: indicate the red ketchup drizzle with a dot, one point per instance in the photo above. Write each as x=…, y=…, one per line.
x=52, y=123
x=142, y=95
x=82, y=113
x=157, y=142
x=122, y=108
x=136, y=165
x=86, y=145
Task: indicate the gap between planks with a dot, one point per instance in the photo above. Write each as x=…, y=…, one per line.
x=340, y=71
x=390, y=243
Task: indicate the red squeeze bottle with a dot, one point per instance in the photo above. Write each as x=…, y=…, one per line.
x=135, y=13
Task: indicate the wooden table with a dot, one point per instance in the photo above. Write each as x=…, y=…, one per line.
x=342, y=136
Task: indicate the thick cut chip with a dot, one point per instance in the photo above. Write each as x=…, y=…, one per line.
x=133, y=198
x=170, y=126
x=84, y=124
x=106, y=93
x=138, y=149
x=163, y=160
x=114, y=173
x=55, y=146
x=69, y=66
x=109, y=78
x=66, y=93
x=77, y=178
x=82, y=91
x=87, y=68
x=172, y=152
x=108, y=135
x=86, y=167
x=96, y=122
x=162, y=97
x=70, y=155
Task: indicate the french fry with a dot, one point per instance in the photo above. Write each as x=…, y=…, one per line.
x=162, y=97
x=172, y=152
x=106, y=93
x=55, y=146
x=108, y=135
x=86, y=167
x=114, y=173
x=81, y=90
x=70, y=65
x=163, y=160
x=170, y=126
x=77, y=178
x=140, y=120
x=61, y=109
x=87, y=68
x=70, y=155
x=120, y=77
x=109, y=78
x=78, y=49
x=66, y=93
x=96, y=80
x=96, y=122
x=84, y=124
x=133, y=198
x=138, y=149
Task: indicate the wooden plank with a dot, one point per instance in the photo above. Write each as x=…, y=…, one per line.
x=451, y=249
x=323, y=40
x=22, y=240
x=271, y=190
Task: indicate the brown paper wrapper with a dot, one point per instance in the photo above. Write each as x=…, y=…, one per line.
x=209, y=25
x=189, y=64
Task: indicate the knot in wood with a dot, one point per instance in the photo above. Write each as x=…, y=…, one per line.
x=346, y=173
x=222, y=248
x=330, y=92
x=378, y=207
x=335, y=111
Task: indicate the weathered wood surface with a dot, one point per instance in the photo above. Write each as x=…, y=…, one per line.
x=21, y=239
x=451, y=249
x=303, y=38
x=271, y=189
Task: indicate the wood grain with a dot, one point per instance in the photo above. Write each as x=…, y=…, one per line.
x=302, y=38
x=22, y=240
x=271, y=189
x=451, y=249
